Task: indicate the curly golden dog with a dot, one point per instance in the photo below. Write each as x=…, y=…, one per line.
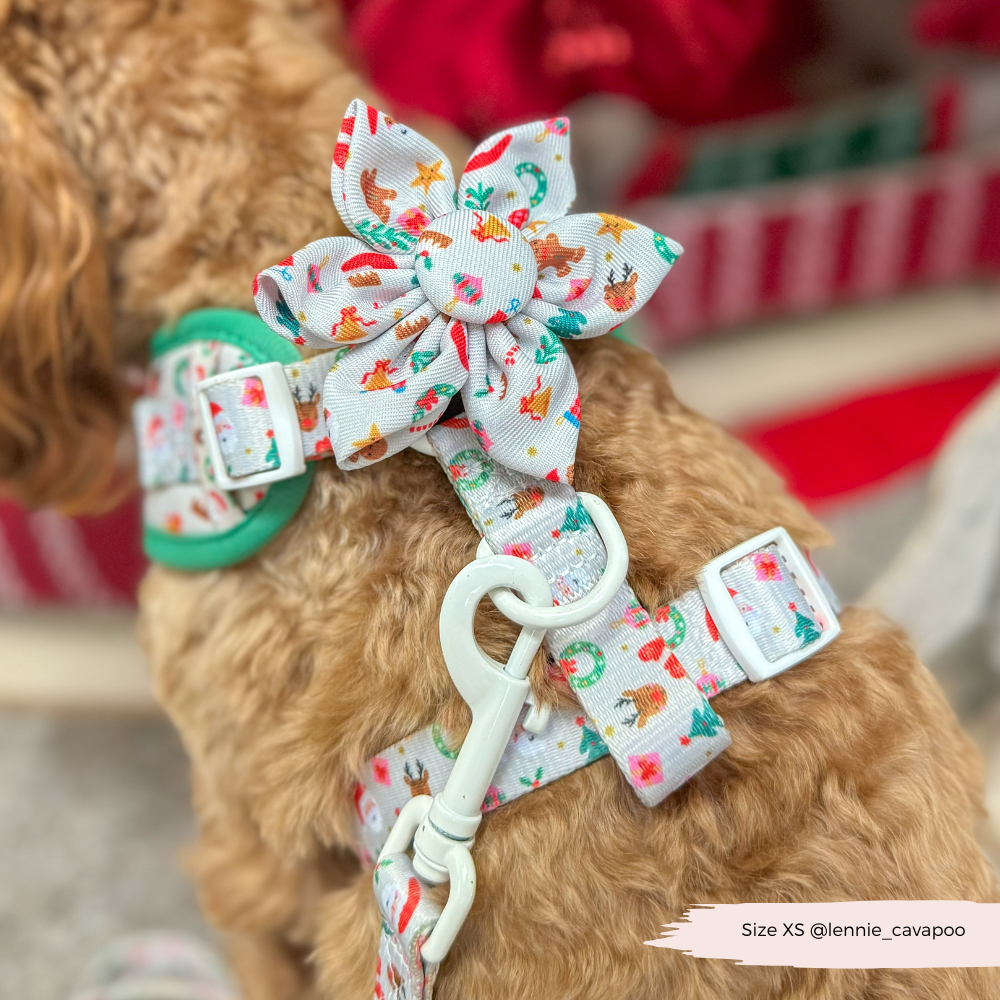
x=154, y=156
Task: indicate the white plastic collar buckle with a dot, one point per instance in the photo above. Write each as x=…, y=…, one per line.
x=730, y=622
x=284, y=420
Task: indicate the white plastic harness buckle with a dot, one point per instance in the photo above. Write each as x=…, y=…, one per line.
x=284, y=420
x=729, y=621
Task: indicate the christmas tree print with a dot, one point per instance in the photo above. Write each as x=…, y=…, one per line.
x=575, y=520
x=271, y=459
x=805, y=628
x=704, y=722
x=567, y=323
x=591, y=745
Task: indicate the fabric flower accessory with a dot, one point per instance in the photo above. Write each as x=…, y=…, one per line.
x=466, y=291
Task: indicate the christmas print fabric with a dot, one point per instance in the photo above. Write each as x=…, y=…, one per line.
x=175, y=469
x=466, y=291
x=655, y=721
x=421, y=764
x=408, y=917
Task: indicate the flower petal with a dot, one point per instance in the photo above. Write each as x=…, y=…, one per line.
x=388, y=181
x=522, y=175
x=385, y=395
x=336, y=290
x=595, y=271
x=522, y=399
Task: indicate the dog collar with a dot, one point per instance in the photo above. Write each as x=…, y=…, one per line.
x=229, y=422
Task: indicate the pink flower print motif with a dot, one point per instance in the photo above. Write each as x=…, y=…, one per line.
x=577, y=286
x=253, y=393
x=412, y=221
x=380, y=769
x=766, y=566
x=519, y=550
x=646, y=769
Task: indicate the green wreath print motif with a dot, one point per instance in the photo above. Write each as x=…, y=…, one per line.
x=440, y=738
x=567, y=661
x=471, y=478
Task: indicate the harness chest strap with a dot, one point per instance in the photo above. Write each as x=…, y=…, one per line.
x=631, y=673
x=750, y=602
x=642, y=683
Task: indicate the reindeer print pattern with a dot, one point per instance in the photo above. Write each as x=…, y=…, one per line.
x=461, y=282
x=307, y=406
x=419, y=780
x=519, y=503
x=620, y=295
x=646, y=701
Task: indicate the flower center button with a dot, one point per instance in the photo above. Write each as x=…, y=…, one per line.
x=475, y=267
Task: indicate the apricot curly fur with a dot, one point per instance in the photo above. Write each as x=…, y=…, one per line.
x=178, y=147
x=848, y=777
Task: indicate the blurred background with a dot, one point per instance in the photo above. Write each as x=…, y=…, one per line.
x=832, y=168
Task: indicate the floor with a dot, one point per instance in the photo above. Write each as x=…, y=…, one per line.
x=93, y=816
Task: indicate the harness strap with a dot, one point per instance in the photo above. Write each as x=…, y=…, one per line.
x=627, y=670
x=613, y=658
x=244, y=415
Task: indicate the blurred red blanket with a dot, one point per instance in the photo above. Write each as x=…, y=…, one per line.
x=483, y=66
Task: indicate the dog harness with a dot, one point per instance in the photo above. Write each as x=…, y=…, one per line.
x=466, y=294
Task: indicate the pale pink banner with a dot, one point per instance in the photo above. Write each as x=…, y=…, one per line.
x=886, y=934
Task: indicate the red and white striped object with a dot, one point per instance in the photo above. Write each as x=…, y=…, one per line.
x=803, y=246
x=47, y=558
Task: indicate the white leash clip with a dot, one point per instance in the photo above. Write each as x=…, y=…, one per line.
x=442, y=829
